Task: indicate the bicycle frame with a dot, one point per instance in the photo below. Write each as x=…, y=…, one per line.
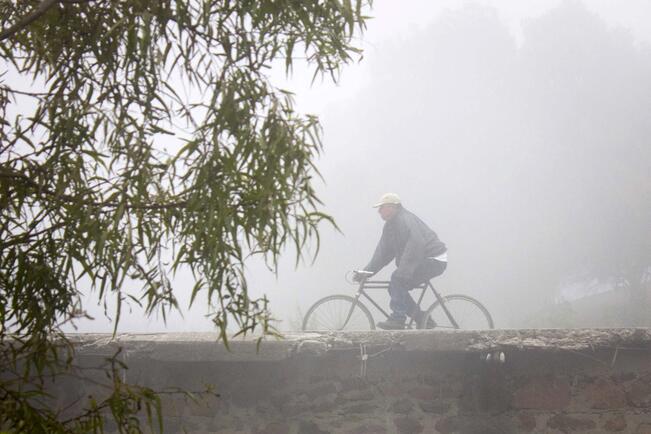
x=384, y=284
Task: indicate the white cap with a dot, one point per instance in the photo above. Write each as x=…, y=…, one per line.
x=388, y=199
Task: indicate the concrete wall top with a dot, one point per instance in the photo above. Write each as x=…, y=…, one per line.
x=206, y=347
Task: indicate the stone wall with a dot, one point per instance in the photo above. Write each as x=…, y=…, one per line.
x=583, y=381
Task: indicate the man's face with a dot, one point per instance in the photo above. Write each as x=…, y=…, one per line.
x=387, y=211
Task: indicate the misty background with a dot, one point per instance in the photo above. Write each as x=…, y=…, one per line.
x=519, y=131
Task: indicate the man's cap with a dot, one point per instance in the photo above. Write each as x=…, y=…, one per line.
x=388, y=199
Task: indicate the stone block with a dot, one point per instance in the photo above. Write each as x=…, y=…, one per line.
x=360, y=408
x=294, y=409
x=542, y=393
x=370, y=428
x=226, y=422
x=448, y=425
x=322, y=388
x=357, y=395
x=526, y=422
x=604, y=394
x=643, y=428
x=353, y=383
x=206, y=405
x=273, y=428
x=425, y=393
x=566, y=423
x=451, y=389
x=474, y=425
x=615, y=423
x=324, y=403
x=194, y=424
x=401, y=406
x=173, y=405
x=173, y=424
x=623, y=377
x=310, y=427
x=488, y=394
x=639, y=393
x=437, y=406
x=408, y=425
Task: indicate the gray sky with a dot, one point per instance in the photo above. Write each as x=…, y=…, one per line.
x=359, y=158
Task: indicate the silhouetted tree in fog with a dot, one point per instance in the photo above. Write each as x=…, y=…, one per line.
x=587, y=97
x=532, y=161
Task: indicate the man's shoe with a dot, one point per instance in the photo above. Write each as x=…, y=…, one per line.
x=424, y=323
x=392, y=324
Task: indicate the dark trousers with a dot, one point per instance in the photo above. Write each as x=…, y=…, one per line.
x=401, y=303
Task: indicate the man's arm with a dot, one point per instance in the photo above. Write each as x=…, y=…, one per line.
x=382, y=256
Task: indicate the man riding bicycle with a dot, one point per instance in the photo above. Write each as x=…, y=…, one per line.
x=419, y=256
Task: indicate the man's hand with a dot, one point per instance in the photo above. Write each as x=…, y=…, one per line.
x=361, y=275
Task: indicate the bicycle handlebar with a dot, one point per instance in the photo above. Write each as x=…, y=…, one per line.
x=364, y=274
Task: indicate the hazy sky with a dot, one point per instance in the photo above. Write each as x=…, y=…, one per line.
x=350, y=142
x=396, y=21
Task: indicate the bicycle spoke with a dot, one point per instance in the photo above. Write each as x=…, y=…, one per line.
x=466, y=311
x=334, y=313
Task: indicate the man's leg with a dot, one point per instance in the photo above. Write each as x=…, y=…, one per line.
x=401, y=303
x=425, y=272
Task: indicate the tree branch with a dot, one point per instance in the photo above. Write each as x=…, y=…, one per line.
x=11, y=174
x=28, y=236
x=27, y=19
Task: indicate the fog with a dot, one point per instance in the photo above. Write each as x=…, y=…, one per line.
x=519, y=132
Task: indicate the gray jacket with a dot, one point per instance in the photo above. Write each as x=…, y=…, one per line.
x=409, y=241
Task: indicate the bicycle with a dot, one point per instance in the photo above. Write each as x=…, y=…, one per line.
x=344, y=312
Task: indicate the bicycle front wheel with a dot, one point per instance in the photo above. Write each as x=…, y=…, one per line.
x=338, y=312
x=468, y=313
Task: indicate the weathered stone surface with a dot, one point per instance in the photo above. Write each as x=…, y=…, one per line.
x=425, y=393
x=427, y=382
x=401, y=406
x=173, y=405
x=544, y=393
x=436, y=407
x=394, y=388
x=357, y=395
x=274, y=428
x=448, y=425
x=566, y=423
x=479, y=424
x=174, y=424
x=371, y=428
x=324, y=404
x=408, y=425
x=309, y=427
x=205, y=346
x=222, y=423
x=615, y=423
x=639, y=394
x=294, y=409
x=486, y=392
x=206, y=406
x=360, y=408
x=355, y=383
x=321, y=389
x=604, y=394
x=526, y=422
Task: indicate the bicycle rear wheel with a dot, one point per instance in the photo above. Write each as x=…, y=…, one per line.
x=338, y=312
x=468, y=313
